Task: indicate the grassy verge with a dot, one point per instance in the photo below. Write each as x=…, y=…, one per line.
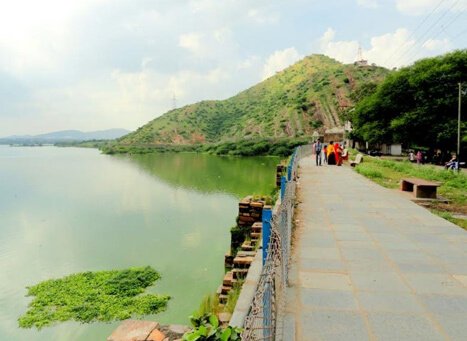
x=448, y=216
x=454, y=185
x=210, y=303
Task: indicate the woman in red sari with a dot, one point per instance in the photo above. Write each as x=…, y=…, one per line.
x=338, y=151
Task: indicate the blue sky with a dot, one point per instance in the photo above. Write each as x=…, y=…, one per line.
x=98, y=64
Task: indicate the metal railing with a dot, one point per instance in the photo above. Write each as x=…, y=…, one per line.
x=264, y=320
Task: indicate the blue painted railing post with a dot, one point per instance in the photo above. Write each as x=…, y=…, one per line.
x=290, y=167
x=283, y=187
x=267, y=314
x=266, y=219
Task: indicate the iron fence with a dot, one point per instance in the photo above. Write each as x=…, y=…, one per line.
x=264, y=320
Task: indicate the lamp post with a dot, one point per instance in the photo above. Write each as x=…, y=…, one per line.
x=459, y=123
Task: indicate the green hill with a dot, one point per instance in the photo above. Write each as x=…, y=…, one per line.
x=310, y=95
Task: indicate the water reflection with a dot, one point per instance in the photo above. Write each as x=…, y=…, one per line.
x=210, y=173
x=71, y=210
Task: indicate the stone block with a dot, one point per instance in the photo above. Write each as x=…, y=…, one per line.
x=228, y=278
x=174, y=331
x=156, y=335
x=257, y=204
x=133, y=330
x=224, y=318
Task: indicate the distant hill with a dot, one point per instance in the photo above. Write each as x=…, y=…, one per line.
x=312, y=94
x=65, y=136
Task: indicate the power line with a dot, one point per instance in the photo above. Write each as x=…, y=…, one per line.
x=443, y=29
x=426, y=32
x=416, y=29
x=459, y=35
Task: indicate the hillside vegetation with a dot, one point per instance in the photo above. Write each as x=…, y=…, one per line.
x=313, y=94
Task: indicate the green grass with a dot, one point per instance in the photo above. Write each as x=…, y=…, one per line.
x=210, y=302
x=209, y=305
x=453, y=184
x=369, y=172
x=93, y=296
x=233, y=296
x=448, y=216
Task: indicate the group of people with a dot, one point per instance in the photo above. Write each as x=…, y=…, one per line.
x=421, y=158
x=331, y=154
x=434, y=156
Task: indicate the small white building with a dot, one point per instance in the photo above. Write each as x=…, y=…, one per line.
x=394, y=149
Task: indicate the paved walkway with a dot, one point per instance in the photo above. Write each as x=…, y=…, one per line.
x=368, y=264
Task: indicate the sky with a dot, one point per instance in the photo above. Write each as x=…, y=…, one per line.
x=100, y=64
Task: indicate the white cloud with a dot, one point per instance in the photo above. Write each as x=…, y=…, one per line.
x=344, y=51
x=146, y=62
x=248, y=63
x=25, y=23
x=190, y=41
x=223, y=34
x=437, y=45
x=393, y=49
x=368, y=3
x=218, y=42
x=328, y=36
x=279, y=60
x=122, y=98
x=148, y=93
x=262, y=16
x=419, y=7
x=93, y=64
x=381, y=47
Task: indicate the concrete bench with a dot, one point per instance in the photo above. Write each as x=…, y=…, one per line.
x=357, y=161
x=420, y=188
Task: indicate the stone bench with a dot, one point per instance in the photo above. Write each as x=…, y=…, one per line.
x=421, y=188
x=357, y=161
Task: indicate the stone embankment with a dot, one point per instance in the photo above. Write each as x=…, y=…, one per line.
x=245, y=240
x=136, y=330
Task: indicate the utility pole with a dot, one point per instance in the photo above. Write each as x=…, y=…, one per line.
x=459, y=123
x=174, y=102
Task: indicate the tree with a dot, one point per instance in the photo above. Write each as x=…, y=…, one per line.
x=416, y=105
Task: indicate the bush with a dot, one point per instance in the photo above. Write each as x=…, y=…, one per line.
x=207, y=328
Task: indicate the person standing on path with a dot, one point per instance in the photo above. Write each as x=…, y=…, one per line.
x=338, y=149
x=318, y=147
x=419, y=158
x=325, y=156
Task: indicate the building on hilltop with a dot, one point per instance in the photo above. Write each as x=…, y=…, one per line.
x=360, y=61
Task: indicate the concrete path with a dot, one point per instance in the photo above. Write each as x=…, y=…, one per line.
x=368, y=264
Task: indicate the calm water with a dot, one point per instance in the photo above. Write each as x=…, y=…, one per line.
x=71, y=210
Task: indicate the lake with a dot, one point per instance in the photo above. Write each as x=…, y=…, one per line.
x=67, y=210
